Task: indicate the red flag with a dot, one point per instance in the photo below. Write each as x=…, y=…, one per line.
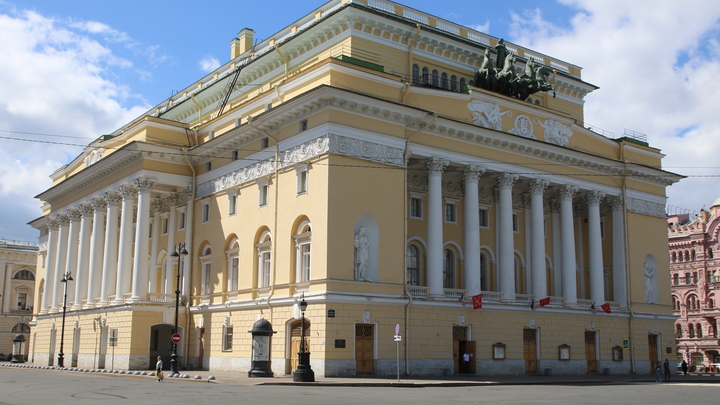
x=544, y=301
x=606, y=307
x=477, y=301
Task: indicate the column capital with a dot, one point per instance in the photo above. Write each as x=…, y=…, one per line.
x=128, y=191
x=63, y=219
x=144, y=184
x=52, y=223
x=538, y=186
x=99, y=204
x=74, y=214
x=506, y=180
x=567, y=192
x=471, y=173
x=113, y=198
x=436, y=165
x=594, y=197
x=86, y=209
x=617, y=203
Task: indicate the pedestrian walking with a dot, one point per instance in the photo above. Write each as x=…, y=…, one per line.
x=666, y=369
x=657, y=372
x=684, y=366
x=158, y=369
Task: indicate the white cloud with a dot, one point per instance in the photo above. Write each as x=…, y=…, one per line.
x=484, y=28
x=657, y=65
x=54, y=81
x=208, y=64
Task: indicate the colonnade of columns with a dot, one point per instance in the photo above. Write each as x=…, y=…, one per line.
x=85, y=240
x=506, y=276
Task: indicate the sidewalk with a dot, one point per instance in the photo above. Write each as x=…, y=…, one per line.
x=233, y=378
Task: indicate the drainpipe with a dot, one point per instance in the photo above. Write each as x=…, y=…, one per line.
x=188, y=228
x=411, y=44
x=251, y=121
x=406, y=158
x=627, y=262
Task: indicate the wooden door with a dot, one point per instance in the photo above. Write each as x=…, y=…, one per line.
x=364, y=349
x=456, y=356
x=530, y=350
x=459, y=339
x=201, y=348
x=653, y=351
x=470, y=348
x=590, y=352
x=295, y=339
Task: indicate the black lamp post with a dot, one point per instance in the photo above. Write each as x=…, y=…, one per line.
x=303, y=373
x=177, y=254
x=61, y=356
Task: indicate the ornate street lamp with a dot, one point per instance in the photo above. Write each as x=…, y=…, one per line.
x=303, y=373
x=61, y=356
x=177, y=255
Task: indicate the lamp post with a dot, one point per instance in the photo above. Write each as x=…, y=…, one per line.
x=61, y=356
x=177, y=255
x=303, y=373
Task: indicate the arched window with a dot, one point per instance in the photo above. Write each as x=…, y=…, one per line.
x=264, y=249
x=680, y=257
x=687, y=256
x=484, y=279
x=691, y=330
x=471, y=83
x=435, y=78
x=674, y=303
x=415, y=74
x=205, y=275
x=678, y=330
x=448, y=269
x=463, y=85
x=694, y=256
x=425, y=76
x=413, y=265
x=444, y=81
x=24, y=275
x=20, y=328
x=233, y=265
x=674, y=257
x=303, y=237
x=698, y=330
x=453, y=83
x=710, y=253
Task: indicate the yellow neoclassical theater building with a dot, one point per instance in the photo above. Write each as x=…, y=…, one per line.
x=389, y=167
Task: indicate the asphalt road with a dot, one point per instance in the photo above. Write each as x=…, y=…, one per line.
x=31, y=386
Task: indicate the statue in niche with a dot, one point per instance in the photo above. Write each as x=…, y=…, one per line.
x=500, y=77
x=362, y=254
x=649, y=275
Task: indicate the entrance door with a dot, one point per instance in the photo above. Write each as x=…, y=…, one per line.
x=201, y=348
x=470, y=348
x=653, y=351
x=590, y=352
x=295, y=339
x=364, y=348
x=530, y=350
x=461, y=346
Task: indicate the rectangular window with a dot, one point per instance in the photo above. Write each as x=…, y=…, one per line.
x=302, y=180
x=676, y=279
x=695, y=278
x=181, y=221
x=164, y=226
x=416, y=208
x=234, y=155
x=205, y=287
x=205, y=212
x=451, y=212
x=484, y=218
x=228, y=339
x=22, y=301
x=516, y=222
x=687, y=278
x=208, y=166
x=602, y=228
x=305, y=264
x=265, y=269
x=264, y=143
x=232, y=204
x=303, y=125
x=263, y=195
x=234, y=274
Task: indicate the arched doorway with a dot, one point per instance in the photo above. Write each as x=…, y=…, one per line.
x=295, y=337
x=161, y=345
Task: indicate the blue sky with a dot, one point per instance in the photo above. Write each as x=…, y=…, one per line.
x=79, y=69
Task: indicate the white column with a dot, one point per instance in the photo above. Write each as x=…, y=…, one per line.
x=568, y=264
x=189, y=221
x=142, y=233
x=96, y=251
x=47, y=297
x=83, y=266
x=618, y=254
x=471, y=230
x=506, y=243
x=110, y=260
x=537, y=266
x=124, y=268
x=434, y=269
x=156, y=231
x=73, y=245
x=165, y=288
x=64, y=220
x=597, y=290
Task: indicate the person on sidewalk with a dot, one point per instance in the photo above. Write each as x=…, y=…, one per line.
x=466, y=363
x=666, y=369
x=684, y=367
x=657, y=372
x=158, y=369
